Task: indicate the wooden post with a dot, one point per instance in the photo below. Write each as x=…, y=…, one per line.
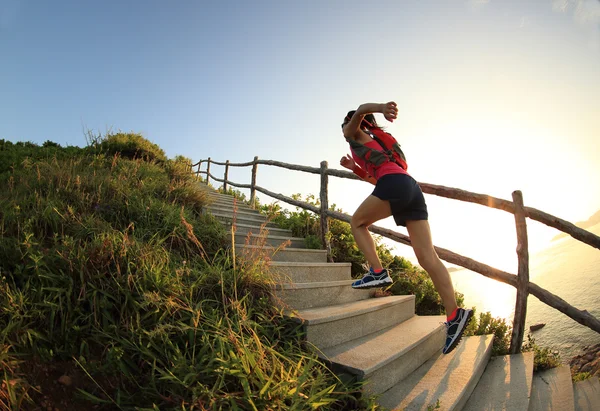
x=198, y=172
x=324, y=207
x=253, y=183
x=518, y=331
x=226, y=176
x=207, y=170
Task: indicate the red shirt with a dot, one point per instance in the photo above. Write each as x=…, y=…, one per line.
x=389, y=167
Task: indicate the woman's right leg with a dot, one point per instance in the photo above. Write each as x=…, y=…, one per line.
x=420, y=238
x=458, y=318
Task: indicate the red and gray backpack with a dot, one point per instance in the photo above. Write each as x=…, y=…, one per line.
x=391, y=149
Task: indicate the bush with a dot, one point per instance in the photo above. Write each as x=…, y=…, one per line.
x=130, y=145
x=544, y=358
x=486, y=324
x=580, y=376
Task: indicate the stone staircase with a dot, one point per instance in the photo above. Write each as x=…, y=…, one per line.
x=382, y=342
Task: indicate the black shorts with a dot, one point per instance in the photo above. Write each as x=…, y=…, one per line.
x=405, y=196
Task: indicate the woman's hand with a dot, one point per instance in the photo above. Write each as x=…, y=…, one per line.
x=390, y=111
x=348, y=162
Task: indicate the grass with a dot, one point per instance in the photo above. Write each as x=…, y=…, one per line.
x=111, y=274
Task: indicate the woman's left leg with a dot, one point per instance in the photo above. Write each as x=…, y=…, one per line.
x=371, y=210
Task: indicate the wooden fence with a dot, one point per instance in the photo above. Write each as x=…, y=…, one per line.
x=521, y=212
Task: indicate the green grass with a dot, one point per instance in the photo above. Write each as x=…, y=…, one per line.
x=110, y=272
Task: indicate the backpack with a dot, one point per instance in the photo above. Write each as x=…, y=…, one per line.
x=391, y=149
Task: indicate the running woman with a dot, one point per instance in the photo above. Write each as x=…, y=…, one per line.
x=396, y=194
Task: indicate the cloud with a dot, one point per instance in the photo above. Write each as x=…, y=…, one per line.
x=586, y=13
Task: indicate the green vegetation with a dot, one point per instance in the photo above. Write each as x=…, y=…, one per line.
x=580, y=376
x=111, y=275
x=486, y=324
x=544, y=358
x=434, y=407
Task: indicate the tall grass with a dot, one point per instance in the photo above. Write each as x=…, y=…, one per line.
x=109, y=267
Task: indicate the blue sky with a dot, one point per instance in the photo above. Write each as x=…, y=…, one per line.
x=493, y=95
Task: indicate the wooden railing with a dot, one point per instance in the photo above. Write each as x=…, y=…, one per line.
x=520, y=282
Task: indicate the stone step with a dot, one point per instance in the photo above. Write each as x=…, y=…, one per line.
x=229, y=203
x=312, y=295
x=449, y=379
x=270, y=240
x=252, y=220
x=505, y=384
x=587, y=395
x=298, y=272
x=552, y=390
x=330, y=326
x=256, y=229
x=222, y=209
x=291, y=255
x=388, y=356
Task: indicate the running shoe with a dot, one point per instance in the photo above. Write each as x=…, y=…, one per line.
x=455, y=329
x=372, y=280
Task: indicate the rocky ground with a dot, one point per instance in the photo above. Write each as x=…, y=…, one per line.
x=589, y=361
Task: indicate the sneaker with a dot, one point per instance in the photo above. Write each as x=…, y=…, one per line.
x=455, y=329
x=371, y=280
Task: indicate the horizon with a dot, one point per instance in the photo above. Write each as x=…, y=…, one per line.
x=493, y=96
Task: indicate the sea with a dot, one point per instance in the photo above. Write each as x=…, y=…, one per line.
x=567, y=268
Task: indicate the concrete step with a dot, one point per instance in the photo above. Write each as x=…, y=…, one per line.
x=252, y=220
x=448, y=378
x=291, y=255
x=271, y=240
x=587, y=395
x=298, y=272
x=229, y=202
x=222, y=209
x=256, y=228
x=312, y=295
x=388, y=356
x=552, y=390
x=330, y=326
x=505, y=384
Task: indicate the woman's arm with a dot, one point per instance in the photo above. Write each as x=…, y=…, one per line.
x=349, y=163
x=389, y=110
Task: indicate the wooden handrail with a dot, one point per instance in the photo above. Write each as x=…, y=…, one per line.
x=581, y=316
x=458, y=194
x=516, y=207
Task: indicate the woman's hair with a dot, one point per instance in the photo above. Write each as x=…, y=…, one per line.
x=368, y=122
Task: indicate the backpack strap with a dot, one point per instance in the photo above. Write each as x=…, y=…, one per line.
x=370, y=155
x=386, y=150
x=390, y=151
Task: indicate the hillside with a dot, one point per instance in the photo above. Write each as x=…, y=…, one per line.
x=118, y=292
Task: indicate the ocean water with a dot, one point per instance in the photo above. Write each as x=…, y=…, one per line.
x=569, y=269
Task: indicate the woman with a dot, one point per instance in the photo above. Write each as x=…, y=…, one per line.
x=396, y=194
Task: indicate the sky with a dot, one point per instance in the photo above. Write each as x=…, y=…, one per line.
x=493, y=96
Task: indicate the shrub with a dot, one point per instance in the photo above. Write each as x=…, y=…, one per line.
x=132, y=146
x=544, y=358
x=486, y=324
x=580, y=376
